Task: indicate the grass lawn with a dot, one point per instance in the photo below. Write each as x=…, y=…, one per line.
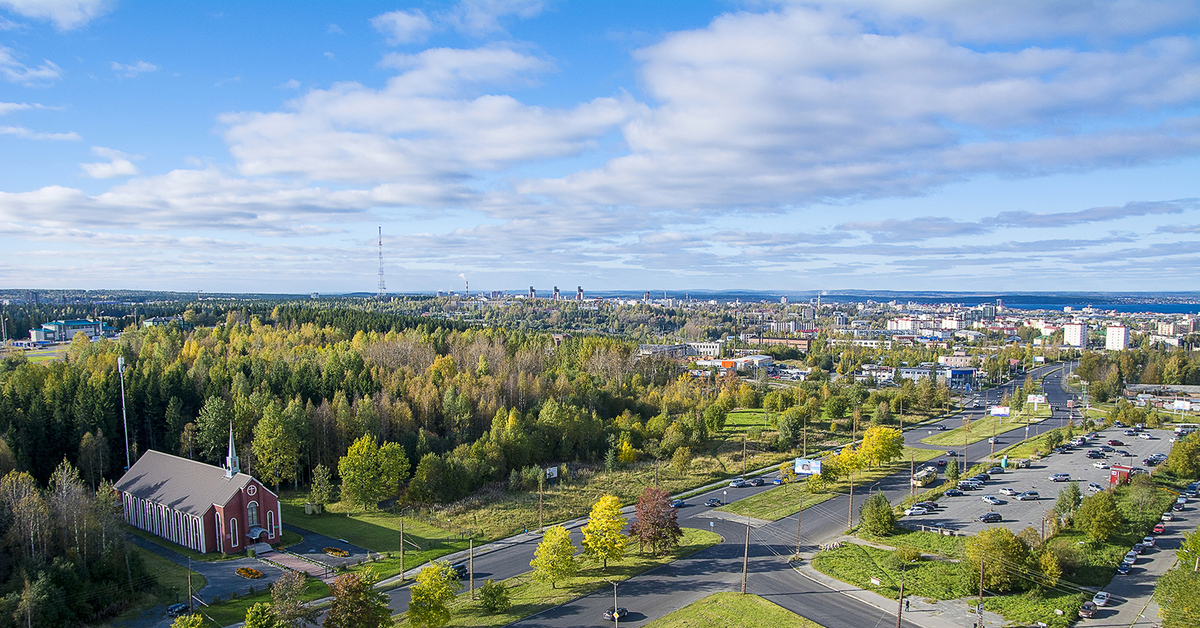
x=1039, y=443
x=732, y=610
x=928, y=542
x=529, y=596
x=940, y=580
x=234, y=611
x=377, y=531
x=982, y=429
x=172, y=586
x=782, y=501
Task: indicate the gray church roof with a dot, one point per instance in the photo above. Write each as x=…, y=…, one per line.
x=185, y=485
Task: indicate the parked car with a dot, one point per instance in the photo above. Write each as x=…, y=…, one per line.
x=1148, y=542
x=1123, y=568
x=1130, y=557
x=930, y=506
x=953, y=493
x=1182, y=499
x=1101, y=598
x=1124, y=454
x=1088, y=609
x=1100, y=464
x=1115, y=442
x=612, y=613
x=738, y=483
x=1028, y=496
x=1166, y=516
x=676, y=503
x=1159, y=528
x=992, y=499
x=1106, y=448
x=1060, y=477
x=1095, y=488
x=1008, y=491
x=991, y=517
x=1139, y=548
x=1177, y=507
x=1145, y=436
x=712, y=501
x=915, y=510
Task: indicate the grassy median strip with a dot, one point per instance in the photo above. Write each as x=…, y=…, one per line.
x=530, y=597
x=732, y=610
x=233, y=610
x=788, y=499
x=985, y=427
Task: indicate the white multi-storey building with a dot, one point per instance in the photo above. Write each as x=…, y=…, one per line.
x=1116, y=338
x=1075, y=334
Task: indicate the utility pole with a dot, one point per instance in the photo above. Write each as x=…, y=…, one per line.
x=471, y=567
x=798, y=512
x=745, y=435
x=401, y=548
x=850, y=507
x=124, y=421
x=966, y=433
x=541, y=480
x=900, y=606
x=746, y=556
x=912, y=475
x=190, y=604
x=980, y=608
x=993, y=453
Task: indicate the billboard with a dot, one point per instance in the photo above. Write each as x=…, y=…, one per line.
x=1039, y=358
x=551, y=473
x=1000, y=411
x=1036, y=399
x=1185, y=406
x=804, y=466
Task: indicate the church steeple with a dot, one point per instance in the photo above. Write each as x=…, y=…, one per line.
x=231, y=461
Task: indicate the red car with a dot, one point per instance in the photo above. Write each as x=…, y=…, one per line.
x=1160, y=528
x=1115, y=443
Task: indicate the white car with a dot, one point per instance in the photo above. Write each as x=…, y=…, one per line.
x=1008, y=491
x=916, y=510
x=992, y=499
x=1146, y=436
x=1101, y=598
x=1100, y=464
x=1095, y=488
x=1148, y=541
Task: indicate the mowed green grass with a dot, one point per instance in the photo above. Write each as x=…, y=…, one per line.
x=233, y=611
x=529, y=596
x=982, y=429
x=733, y=610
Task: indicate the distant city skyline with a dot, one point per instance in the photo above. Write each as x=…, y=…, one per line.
x=1032, y=145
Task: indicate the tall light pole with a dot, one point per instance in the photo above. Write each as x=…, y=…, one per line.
x=616, y=616
x=900, y=608
x=124, y=421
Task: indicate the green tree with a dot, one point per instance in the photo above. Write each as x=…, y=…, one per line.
x=876, y=515
x=188, y=621
x=1178, y=595
x=1051, y=570
x=356, y=603
x=287, y=600
x=322, y=486
x=1068, y=501
x=276, y=449
x=714, y=418
x=602, y=537
x=1099, y=517
x=1184, y=459
x=952, y=471
x=681, y=460
x=213, y=429
x=1004, y=558
x=554, y=558
x=657, y=524
x=371, y=473
x=882, y=414
x=431, y=595
x=494, y=597
x=261, y=616
x=787, y=472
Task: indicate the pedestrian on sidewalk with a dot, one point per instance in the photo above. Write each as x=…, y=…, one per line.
x=906, y=605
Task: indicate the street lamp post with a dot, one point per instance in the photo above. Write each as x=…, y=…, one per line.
x=124, y=421
x=616, y=616
x=900, y=607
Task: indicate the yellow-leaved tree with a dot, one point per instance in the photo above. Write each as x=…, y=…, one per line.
x=554, y=558
x=881, y=445
x=602, y=537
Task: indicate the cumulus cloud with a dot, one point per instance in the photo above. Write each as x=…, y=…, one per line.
x=483, y=17
x=131, y=70
x=801, y=105
x=64, y=14
x=28, y=134
x=420, y=126
x=402, y=27
x=14, y=71
x=118, y=164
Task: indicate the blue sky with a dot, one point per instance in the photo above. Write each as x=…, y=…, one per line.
x=869, y=144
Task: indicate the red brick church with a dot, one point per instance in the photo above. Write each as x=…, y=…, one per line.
x=199, y=506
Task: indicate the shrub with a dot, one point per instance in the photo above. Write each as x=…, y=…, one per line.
x=876, y=515
x=494, y=597
x=908, y=554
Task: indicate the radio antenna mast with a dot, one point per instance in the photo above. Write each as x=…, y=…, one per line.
x=382, y=286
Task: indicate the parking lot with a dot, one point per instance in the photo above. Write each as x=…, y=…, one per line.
x=962, y=513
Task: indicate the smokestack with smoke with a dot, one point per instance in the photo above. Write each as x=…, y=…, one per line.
x=467, y=285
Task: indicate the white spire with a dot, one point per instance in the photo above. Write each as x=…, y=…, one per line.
x=231, y=461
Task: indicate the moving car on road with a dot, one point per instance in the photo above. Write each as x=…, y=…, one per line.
x=611, y=613
x=712, y=501
x=738, y=483
x=676, y=503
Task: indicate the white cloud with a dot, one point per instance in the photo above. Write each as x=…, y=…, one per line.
x=402, y=27
x=9, y=107
x=483, y=17
x=28, y=134
x=418, y=127
x=65, y=14
x=798, y=106
x=14, y=71
x=334, y=29
x=118, y=164
x=131, y=70
x=290, y=84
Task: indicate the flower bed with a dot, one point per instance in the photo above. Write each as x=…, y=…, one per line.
x=249, y=572
x=337, y=551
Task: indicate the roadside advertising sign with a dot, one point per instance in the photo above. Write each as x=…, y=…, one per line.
x=804, y=466
x=1000, y=411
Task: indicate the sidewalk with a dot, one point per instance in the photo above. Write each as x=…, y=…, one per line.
x=943, y=614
